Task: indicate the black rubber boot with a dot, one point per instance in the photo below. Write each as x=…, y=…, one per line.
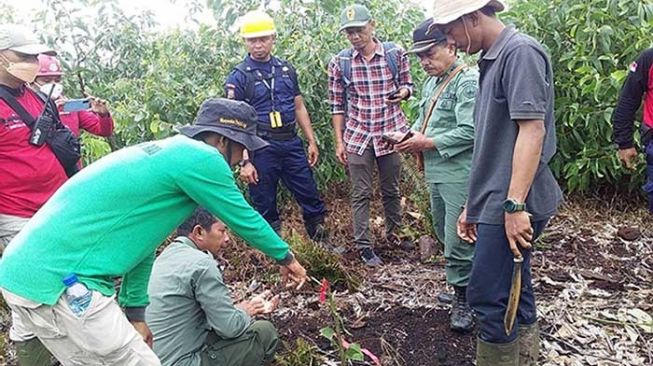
x=462, y=317
x=320, y=235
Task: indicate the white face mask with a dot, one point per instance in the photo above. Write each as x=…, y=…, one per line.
x=56, y=88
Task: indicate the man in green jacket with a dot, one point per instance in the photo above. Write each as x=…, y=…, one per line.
x=108, y=220
x=192, y=315
x=444, y=134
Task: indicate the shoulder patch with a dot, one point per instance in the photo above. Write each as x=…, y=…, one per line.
x=231, y=91
x=469, y=88
x=633, y=67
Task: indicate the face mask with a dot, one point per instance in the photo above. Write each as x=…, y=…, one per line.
x=25, y=71
x=55, y=88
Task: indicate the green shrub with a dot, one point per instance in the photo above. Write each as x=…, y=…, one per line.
x=319, y=263
x=592, y=43
x=156, y=79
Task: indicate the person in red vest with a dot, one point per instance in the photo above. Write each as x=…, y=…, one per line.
x=97, y=120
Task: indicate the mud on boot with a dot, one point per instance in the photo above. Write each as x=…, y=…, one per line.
x=497, y=354
x=462, y=316
x=529, y=344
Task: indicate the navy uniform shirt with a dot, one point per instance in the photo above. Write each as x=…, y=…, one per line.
x=285, y=83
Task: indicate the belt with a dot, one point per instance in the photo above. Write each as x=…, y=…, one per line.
x=287, y=132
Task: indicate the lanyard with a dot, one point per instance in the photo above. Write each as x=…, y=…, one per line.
x=271, y=87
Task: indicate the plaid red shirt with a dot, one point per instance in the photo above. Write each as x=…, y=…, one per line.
x=368, y=115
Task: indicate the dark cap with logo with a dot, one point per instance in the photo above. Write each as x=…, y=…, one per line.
x=354, y=16
x=235, y=120
x=423, y=39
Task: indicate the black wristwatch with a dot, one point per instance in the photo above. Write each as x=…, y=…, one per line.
x=243, y=162
x=512, y=206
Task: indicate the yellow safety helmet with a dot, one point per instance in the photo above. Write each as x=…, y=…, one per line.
x=257, y=24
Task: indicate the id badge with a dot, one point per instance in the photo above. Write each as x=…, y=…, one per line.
x=275, y=119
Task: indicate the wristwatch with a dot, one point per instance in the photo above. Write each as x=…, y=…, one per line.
x=511, y=206
x=243, y=162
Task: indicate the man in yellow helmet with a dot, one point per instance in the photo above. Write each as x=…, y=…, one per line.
x=269, y=84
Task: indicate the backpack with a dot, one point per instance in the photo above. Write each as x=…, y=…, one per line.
x=344, y=61
x=252, y=76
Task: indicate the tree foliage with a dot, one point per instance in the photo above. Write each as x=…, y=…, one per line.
x=592, y=43
x=156, y=79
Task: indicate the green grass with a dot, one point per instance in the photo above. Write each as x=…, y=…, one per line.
x=319, y=263
x=302, y=354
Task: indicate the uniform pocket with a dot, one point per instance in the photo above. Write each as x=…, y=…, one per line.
x=222, y=351
x=44, y=322
x=104, y=326
x=445, y=104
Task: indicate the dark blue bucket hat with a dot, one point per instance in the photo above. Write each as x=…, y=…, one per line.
x=235, y=120
x=423, y=39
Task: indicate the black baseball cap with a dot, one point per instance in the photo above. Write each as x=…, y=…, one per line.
x=423, y=39
x=235, y=120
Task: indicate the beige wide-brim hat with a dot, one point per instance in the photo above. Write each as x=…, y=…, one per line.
x=19, y=39
x=446, y=11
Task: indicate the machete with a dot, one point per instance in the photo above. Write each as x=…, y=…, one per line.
x=513, y=298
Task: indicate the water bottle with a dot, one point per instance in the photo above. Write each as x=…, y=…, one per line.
x=77, y=295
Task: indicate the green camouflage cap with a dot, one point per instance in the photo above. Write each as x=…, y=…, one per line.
x=354, y=16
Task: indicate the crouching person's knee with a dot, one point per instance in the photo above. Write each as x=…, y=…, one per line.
x=267, y=337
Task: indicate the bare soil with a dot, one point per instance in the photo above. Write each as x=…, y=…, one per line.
x=592, y=268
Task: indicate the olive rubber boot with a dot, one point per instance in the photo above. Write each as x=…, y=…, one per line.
x=497, y=354
x=529, y=344
x=32, y=353
x=462, y=317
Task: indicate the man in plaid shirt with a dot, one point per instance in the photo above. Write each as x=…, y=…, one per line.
x=370, y=107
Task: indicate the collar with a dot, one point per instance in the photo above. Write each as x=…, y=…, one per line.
x=255, y=65
x=377, y=51
x=455, y=64
x=500, y=43
x=184, y=240
x=15, y=92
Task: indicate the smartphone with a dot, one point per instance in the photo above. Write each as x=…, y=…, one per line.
x=74, y=105
x=391, y=140
x=394, y=94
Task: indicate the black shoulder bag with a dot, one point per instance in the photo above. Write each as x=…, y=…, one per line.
x=49, y=129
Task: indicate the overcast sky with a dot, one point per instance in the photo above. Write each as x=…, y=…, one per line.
x=167, y=13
